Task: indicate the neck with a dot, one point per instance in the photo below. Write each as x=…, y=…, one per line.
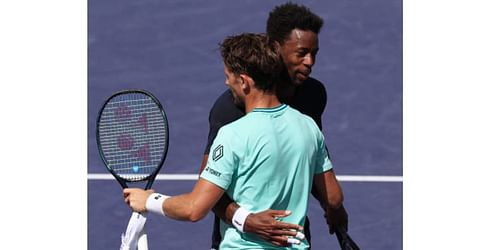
x=261, y=100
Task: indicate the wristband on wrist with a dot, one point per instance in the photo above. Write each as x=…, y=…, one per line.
x=154, y=203
x=239, y=218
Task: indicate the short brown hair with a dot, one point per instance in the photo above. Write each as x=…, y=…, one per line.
x=252, y=54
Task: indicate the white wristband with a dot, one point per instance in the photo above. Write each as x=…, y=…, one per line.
x=154, y=203
x=239, y=218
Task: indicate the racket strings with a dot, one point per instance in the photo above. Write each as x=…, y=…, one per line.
x=110, y=138
x=133, y=135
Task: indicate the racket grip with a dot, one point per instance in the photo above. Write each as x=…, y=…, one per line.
x=131, y=239
x=142, y=242
x=345, y=241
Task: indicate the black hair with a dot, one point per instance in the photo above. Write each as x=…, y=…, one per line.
x=286, y=17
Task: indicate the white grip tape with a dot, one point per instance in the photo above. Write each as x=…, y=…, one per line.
x=239, y=218
x=154, y=203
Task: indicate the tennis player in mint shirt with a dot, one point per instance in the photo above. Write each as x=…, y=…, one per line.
x=267, y=159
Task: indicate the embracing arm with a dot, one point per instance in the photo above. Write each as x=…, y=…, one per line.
x=334, y=217
x=263, y=224
x=327, y=190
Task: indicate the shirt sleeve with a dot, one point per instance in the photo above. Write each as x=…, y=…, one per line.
x=222, y=160
x=323, y=162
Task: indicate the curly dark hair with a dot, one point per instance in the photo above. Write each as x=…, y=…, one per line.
x=252, y=54
x=286, y=17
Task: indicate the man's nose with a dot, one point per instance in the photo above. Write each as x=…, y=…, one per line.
x=309, y=60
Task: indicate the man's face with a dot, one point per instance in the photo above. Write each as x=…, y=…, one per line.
x=299, y=54
x=233, y=82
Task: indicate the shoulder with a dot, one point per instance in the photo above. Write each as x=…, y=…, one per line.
x=313, y=86
x=310, y=99
x=313, y=81
x=230, y=137
x=224, y=101
x=306, y=123
x=226, y=131
x=308, y=120
x=224, y=110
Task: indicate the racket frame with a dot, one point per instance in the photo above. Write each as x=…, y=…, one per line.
x=150, y=178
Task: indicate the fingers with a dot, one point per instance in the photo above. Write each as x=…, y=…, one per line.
x=280, y=213
x=279, y=233
x=279, y=240
x=268, y=225
x=287, y=226
x=284, y=240
x=285, y=237
x=300, y=236
x=279, y=244
x=293, y=241
x=128, y=191
x=136, y=198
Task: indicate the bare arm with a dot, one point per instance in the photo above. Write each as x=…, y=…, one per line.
x=329, y=189
x=329, y=193
x=191, y=206
x=203, y=163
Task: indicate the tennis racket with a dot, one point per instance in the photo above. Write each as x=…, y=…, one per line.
x=132, y=137
x=345, y=241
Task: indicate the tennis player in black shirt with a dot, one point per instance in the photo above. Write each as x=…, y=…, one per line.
x=294, y=30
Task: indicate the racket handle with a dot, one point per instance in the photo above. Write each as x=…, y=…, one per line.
x=345, y=241
x=133, y=238
x=142, y=242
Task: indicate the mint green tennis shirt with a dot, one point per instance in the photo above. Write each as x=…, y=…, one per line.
x=267, y=160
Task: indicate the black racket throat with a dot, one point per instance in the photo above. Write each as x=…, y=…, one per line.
x=123, y=182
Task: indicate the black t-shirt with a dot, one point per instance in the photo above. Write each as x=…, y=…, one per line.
x=309, y=98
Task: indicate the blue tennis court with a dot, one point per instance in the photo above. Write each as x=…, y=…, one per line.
x=170, y=49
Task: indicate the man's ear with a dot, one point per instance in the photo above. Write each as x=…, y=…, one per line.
x=247, y=81
x=277, y=45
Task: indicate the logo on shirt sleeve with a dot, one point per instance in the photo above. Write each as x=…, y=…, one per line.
x=212, y=171
x=218, y=153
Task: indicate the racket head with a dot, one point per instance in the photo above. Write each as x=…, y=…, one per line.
x=132, y=136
